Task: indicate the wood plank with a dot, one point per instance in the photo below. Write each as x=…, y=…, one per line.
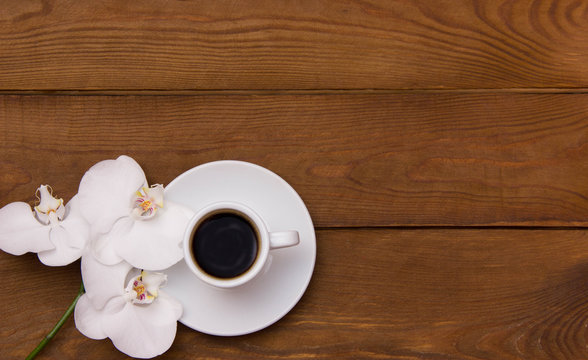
x=369, y=160
x=411, y=294
x=88, y=45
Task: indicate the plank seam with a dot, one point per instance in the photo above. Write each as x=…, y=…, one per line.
x=450, y=227
x=249, y=92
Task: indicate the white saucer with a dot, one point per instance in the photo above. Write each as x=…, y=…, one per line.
x=273, y=293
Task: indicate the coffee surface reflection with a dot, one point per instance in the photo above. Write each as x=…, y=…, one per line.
x=225, y=245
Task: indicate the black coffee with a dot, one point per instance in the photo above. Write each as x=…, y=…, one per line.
x=225, y=245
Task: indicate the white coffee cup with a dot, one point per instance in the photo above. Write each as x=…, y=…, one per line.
x=215, y=237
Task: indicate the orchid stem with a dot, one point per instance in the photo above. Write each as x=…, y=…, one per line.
x=57, y=326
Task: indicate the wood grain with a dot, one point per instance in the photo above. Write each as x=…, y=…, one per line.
x=440, y=147
x=375, y=294
x=356, y=160
x=182, y=45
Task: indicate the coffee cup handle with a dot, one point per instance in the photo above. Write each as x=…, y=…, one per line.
x=282, y=239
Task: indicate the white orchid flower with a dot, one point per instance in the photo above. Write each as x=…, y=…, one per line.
x=56, y=232
x=131, y=221
x=139, y=318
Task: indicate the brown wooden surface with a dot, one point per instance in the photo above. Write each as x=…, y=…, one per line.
x=440, y=147
x=306, y=44
x=357, y=160
x=381, y=293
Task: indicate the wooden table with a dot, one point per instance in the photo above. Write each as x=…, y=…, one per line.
x=440, y=146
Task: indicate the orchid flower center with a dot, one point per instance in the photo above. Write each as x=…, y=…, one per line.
x=144, y=288
x=147, y=201
x=49, y=210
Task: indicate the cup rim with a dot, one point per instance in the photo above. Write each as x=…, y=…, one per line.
x=262, y=253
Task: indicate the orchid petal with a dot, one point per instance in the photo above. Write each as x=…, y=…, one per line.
x=103, y=282
x=153, y=281
x=106, y=191
x=150, y=329
x=76, y=225
x=87, y=319
x=63, y=254
x=104, y=244
x=156, y=193
x=174, y=304
x=20, y=232
x=69, y=238
x=155, y=244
